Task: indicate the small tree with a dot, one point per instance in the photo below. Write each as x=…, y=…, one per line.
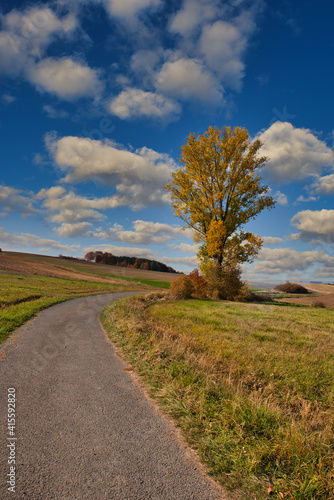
x=219, y=190
x=90, y=256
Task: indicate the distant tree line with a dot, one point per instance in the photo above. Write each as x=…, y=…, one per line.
x=132, y=262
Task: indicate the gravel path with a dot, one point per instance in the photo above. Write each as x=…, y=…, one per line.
x=84, y=430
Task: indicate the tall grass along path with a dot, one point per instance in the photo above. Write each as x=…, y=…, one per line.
x=84, y=429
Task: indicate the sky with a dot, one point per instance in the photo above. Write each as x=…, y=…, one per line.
x=98, y=96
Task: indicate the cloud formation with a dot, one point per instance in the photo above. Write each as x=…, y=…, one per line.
x=315, y=226
x=134, y=103
x=26, y=240
x=138, y=177
x=295, y=153
x=65, y=78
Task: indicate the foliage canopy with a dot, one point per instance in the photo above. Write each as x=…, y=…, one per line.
x=218, y=190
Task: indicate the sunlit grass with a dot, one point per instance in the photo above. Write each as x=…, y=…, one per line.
x=21, y=297
x=252, y=387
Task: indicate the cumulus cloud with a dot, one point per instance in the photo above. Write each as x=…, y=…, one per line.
x=128, y=9
x=222, y=45
x=138, y=176
x=73, y=230
x=65, y=78
x=188, y=78
x=271, y=240
x=315, y=226
x=324, y=185
x=294, y=153
x=187, y=248
x=188, y=261
x=281, y=198
x=26, y=34
x=143, y=233
x=15, y=200
x=70, y=208
x=26, y=240
x=132, y=103
x=191, y=15
x=287, y=260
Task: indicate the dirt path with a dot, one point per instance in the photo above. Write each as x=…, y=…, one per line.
x=84, y=430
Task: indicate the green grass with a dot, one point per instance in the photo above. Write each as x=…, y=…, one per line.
x=251, y=386
x=22, y=297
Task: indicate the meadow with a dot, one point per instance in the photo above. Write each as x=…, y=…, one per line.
x=250, y=385
x=30, y=283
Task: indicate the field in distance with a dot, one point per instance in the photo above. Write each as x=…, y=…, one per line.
x=30, y=283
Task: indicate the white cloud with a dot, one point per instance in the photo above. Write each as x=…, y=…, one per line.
x=187, y=248
x=324, y=185
x=144, y=233
x=315, y=226
x=282, y=260
x=65, y=78
x=52, y=112
x=72, y=208
x=137, y=176
x=271, y=240
x=302, y=199
x=189, y=79
x=73, y=230
x=8, y=99
x=281, y=198
x=128, y=9
x=25, y=35
x=188, y=261
x=192, y=14
x=12, y=200
x=294, y=153
x=27, y=240
x=222, y=45
x=132, y=103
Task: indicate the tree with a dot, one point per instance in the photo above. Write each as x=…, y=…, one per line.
x=217, y=191
x=90, y=256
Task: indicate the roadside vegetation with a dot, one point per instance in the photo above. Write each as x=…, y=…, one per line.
x=250, y=385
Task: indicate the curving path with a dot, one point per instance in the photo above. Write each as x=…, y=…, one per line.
x=84, y=430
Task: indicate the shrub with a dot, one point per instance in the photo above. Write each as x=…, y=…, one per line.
x=318, y=303
x=182, y=287
x=200, y=285
x=224, y=282
x=288, y=287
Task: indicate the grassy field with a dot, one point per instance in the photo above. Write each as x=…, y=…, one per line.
x=30, y=283
x=250, y=385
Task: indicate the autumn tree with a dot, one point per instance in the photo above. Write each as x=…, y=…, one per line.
x=218, y=190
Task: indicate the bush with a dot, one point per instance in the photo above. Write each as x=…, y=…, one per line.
x=182, y=287
x=224, y=282
x=288, y=287
x=200, y=285
x=318, y=303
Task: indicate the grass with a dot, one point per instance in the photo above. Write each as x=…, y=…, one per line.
x=251, y=386
x=23, y=296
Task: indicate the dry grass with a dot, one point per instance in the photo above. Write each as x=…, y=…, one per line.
x=252, y=387
x=57, y=266
x=322, y=293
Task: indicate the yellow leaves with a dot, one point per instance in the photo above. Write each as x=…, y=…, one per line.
x=218, y=190
x=215, y=238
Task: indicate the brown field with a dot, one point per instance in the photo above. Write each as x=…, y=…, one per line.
x=59, y=267
x=322, y=293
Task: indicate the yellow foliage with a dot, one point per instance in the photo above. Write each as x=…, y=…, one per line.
x=218, y=190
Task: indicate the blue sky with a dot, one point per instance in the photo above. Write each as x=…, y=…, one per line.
x=98, y=96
